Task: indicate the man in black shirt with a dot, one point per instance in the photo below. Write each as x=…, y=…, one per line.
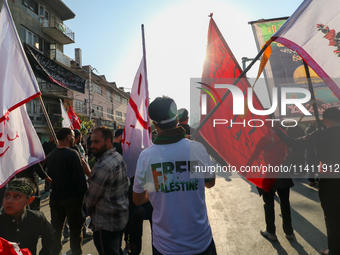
x=117, y=141
x=327, y=146
x=68, y=188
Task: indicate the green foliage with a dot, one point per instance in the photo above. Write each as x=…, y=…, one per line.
x=88, y=124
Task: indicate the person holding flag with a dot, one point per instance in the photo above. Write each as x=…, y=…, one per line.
x=136, y=137
x=326, y=143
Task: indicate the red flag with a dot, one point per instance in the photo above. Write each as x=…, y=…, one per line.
x=238, y=142
x=75, y=121
x=9, y=248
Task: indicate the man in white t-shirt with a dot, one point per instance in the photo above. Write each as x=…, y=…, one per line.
x=171, y=174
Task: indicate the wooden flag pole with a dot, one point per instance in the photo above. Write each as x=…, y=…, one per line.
x=48, y=120
x=311, y=89
x=195, y=134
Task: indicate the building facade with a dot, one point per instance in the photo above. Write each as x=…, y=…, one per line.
x=40, y=24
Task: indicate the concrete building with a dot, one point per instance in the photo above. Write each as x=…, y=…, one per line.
x=40, y=24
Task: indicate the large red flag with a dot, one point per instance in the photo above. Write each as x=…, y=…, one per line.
x=75, y=121
x=238, y=141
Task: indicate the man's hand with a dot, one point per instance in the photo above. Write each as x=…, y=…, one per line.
x=48, y=179
x=86, y=167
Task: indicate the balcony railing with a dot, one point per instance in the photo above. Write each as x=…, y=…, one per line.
x=55, y=28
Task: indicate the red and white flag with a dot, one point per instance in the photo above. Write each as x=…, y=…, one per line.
x=9, y=248
x=20, y=146
x=137, y=130
x=74, y=119
x=314, y=32
x=240, y=144
x=18, y=84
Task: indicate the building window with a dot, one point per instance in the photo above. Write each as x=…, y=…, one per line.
x=117, y=98
x=125, y=101
x=32, y=39
x=34, y=107
x=109, y=114
x=98, y=110
x=109, y=95
x=96, y=88
x=118, y=115
x=79, y=106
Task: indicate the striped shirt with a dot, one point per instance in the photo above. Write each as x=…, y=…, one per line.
x=106, y=199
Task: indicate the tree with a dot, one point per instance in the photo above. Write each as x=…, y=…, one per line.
x=88, y=124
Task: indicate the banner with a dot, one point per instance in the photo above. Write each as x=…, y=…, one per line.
x=17, y=81
x=137, y=131
x=20, y=146
x=50, y=71
x=285, y=69
x=240, y=140
x=314, y=31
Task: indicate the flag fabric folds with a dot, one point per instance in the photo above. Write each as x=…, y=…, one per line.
x=20, y=146
x=9, y=248
x=137, y=130
x=239, y=144
x=74, y=119
x=65, y=121
x=15, y=71
x=314, y=32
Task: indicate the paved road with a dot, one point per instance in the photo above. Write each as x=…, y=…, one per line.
x=236, y=216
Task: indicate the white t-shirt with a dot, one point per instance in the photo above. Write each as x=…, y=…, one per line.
x=180, y=220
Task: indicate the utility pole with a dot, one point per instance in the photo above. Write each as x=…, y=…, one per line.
x=90, y=110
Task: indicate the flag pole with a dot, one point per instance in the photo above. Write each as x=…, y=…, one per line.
x=144, y=54
x=311, y=89
x=195, y=134
x=48, y=120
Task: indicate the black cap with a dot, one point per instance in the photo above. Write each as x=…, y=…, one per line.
x=163, y=112
x=182, y=114
x=332, y=113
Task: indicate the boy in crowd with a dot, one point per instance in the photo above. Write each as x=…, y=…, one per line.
x=23, y=226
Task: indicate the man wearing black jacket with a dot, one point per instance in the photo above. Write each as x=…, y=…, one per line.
x=327, y=146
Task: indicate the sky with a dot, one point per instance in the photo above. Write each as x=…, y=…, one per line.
x=109, y=34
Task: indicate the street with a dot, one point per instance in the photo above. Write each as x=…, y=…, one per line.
x=236, y=216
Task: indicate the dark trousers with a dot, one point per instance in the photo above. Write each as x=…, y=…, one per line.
x=269, y=211
x=108, y=242
x=329, y=194
x=211, y=250
x=134, y=227
x=69, y=208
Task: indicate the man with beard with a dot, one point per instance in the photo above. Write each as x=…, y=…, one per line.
x=68, y=188
x=106, y=200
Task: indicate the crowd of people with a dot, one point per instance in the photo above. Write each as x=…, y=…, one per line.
x=165, y=190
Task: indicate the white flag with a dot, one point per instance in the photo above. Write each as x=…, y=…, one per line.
x=18, y=84
x=314, y=32
x=20, y=146
x=65, y=121
x=137, y=130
